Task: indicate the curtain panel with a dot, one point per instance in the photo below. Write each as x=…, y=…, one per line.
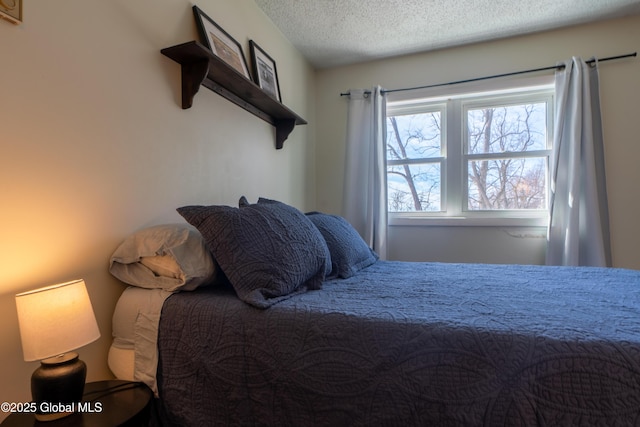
x=365, y=188
x=578, y=232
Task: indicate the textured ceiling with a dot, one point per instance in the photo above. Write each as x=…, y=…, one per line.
x=338, y=32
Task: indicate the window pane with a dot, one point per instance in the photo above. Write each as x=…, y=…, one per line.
x=511, y=128
x=514, y=183
x=413, y=188
x=413, y=136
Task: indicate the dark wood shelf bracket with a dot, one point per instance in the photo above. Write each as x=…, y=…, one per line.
x=200, y=67
x=193, y=75
x=283, y=129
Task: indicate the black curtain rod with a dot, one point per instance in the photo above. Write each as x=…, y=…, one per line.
x=515, y=73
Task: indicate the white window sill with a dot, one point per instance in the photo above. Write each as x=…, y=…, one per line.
x=450, y=221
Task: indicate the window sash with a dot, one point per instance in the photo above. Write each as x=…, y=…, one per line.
x=418, y=161
x=454, y=159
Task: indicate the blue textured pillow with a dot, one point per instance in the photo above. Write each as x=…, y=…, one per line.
x=349, y=252
x=268, y=251
x=243, y=202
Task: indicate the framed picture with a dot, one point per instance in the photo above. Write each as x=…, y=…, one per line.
x=220, y=43
x=11, y=10
x=264, y=71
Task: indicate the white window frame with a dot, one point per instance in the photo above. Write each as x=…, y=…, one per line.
x=455, y=101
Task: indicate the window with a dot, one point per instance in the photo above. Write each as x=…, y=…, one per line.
x=470, y=158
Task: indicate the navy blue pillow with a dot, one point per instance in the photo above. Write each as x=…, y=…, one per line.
x=349, y=252
x=268, y=251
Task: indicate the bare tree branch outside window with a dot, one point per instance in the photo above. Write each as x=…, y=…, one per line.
x=507, y=182
x=413, y=177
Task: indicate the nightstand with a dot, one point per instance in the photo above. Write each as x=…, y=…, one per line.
x=113, y=402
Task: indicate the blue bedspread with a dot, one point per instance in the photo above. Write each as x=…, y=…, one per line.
x=403, y=344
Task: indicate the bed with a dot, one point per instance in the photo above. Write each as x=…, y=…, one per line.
x=379, y=342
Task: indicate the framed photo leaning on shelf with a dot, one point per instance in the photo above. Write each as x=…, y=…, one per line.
x=11, y=10
x=220, y=42
x=264, y=71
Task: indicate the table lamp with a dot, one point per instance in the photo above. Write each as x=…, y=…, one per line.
x=53, y=321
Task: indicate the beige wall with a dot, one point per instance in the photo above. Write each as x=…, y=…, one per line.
x=620, y=92
x=94, y=145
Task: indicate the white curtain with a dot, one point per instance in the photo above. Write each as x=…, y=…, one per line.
x=365, y=188
x=578, y=231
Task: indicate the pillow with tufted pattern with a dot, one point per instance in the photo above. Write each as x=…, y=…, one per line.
x=268, y=251
x=349, y=252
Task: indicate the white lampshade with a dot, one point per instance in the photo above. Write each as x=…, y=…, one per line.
x=55, y=320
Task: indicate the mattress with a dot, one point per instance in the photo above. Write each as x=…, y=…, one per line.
x=121, y=361
x=133, y=354
x=404, y=343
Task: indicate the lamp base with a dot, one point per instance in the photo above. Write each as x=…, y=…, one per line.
x=57, y=386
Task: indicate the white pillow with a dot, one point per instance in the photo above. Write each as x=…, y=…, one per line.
x=172, y=257
x=162, y=265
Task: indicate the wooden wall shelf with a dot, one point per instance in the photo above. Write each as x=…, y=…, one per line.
x=201, y=67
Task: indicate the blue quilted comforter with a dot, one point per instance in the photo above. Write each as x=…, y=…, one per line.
x=403, y=344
